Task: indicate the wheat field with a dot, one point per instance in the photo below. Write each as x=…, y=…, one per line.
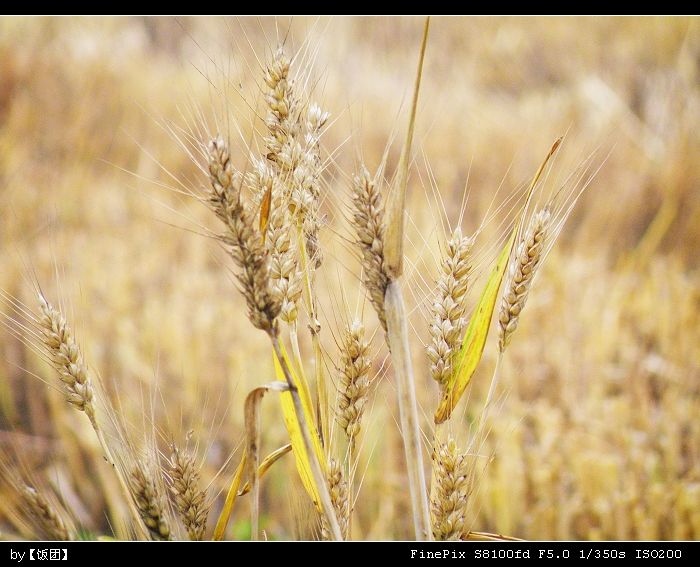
x=121, y=291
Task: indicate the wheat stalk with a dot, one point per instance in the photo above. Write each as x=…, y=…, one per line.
x=67, y=359
x=382, y=248
x=249, y=254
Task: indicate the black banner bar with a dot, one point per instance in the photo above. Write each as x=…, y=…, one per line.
x=32, y=553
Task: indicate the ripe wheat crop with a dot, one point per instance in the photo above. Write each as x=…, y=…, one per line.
x=347, y=328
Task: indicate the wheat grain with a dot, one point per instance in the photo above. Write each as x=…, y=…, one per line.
x=190, y=498
x=368, y=215
x=521, y=272
x=451, y=488
x=448, y=320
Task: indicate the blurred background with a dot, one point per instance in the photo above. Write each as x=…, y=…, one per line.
x=597, y=433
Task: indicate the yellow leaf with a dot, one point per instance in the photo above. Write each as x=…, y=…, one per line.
x=474, y=340
x=266, y=463
x=292, y=424
x=222, y=522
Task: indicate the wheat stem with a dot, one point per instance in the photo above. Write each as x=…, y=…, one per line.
x=408, y=408
x=315, y=328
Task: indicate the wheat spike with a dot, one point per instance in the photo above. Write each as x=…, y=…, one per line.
x=242, y=239
x=338, y=488
x=285, y=277
x=190, y=499
x=368, y=215
x=283, y=125
x=293, y=147
x=67, y=359
x=448, y=320
x=308, y=183
x=44, y=513
x=449, y=501
x=150, y=503
x=354, y=380
x=520, y=275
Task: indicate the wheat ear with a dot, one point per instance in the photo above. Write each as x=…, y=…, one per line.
x=353, y=381
x=339, y=496
x=368, y=216
x=282, y=121
x=190, y=498
x=448, y=320
x=521, y=273
x=150, y=502
x=244, y=242
x=44, y=513
x=67, y=359
x=451, y=488
x=285, y=277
